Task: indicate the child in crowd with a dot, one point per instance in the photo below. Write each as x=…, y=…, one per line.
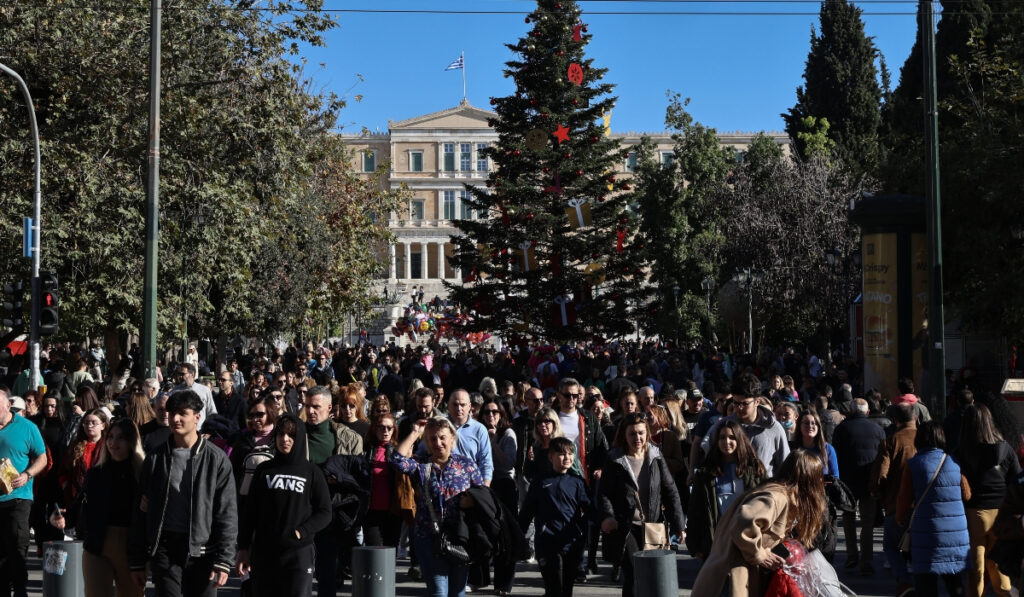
x=558, y=505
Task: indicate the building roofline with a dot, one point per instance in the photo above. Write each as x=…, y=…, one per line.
x=464, y=106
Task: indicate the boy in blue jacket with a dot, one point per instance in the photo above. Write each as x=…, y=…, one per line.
x=558, y=505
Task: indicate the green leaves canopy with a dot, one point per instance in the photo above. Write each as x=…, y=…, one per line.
x=259, y=210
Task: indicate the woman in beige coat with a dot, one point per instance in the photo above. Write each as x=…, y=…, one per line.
x=790, y=505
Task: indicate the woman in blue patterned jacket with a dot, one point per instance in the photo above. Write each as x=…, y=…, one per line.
x=938, y=527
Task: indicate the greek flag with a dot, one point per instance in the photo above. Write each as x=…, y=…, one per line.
x=457, y=64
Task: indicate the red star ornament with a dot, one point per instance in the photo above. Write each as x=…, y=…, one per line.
x=561, y=133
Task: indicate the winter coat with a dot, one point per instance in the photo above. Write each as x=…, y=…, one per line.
x=938, y=531
x=488, y=529
x=745, y=535
x=887, y=471
x=702, y=515
x=856, y=441
x=618, y=498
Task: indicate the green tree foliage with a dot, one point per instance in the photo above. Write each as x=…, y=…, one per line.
x=528, y=193
x=841, y=86
x=262, y=222
x=785, y=217
x=682, y=218
x=984, y=223
x=979, y=50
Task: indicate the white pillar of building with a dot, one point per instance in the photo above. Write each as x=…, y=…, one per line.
x=393, y=267
x=407, y=274
x=440, y=260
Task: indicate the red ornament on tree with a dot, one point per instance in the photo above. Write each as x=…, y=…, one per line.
x=533, y=102
x=494, y=101
x=526, y=20
x=594, y=139
x=625, y=186
x=579, y=172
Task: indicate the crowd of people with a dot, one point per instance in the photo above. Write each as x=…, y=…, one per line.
x=274, y=465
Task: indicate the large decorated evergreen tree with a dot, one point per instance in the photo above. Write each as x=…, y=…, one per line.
x=552, y=256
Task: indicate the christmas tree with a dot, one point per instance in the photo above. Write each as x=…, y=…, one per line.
x=552, y=257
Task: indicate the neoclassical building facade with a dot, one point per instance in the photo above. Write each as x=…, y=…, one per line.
x=436, y=155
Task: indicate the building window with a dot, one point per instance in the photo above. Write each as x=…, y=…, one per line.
x=631, y=162
x=449, y=205
x=416, y=209
x=369, y=161
x=465, y=156
x=481, y=160
x=466, y=213
x=449, y=157
x=739, y=156
x=415, y=161
x=667, y=159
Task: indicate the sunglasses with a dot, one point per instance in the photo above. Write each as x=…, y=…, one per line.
x=257, y=415
x=492, y=412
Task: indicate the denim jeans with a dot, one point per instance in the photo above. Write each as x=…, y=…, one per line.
x=443, y=579
x=891, y=535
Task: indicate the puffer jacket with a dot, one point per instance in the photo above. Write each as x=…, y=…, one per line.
x=214, y=520
x=938, y=531
x=618, y=498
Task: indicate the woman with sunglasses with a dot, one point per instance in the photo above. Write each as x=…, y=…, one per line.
x=503, y=453
x=389, y=505
x=546, y=428
x=261, y=416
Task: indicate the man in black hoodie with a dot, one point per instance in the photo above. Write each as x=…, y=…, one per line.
x=288, y=505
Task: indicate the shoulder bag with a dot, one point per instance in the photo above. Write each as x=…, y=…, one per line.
x=905, y=539
x=655, y=533
x=444, y=547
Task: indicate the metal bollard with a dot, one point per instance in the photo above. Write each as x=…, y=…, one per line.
x=62, y=569
x=373, y=571
x=655, y=573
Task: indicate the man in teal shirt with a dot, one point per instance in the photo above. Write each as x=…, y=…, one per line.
x=22, y=444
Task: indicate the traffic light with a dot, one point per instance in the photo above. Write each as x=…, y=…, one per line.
x=49, y=303
x=14, y=306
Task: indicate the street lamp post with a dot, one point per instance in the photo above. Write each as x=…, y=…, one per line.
x=707, y=284
x=746, y=276
x=675, y=314
x=37, y=230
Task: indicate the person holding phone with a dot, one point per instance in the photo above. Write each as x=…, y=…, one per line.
x=791, y=505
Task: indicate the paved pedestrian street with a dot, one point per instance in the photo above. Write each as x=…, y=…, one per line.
x=528, y=581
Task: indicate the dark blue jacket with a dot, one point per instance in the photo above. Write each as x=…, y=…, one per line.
x=938, y=531
x=558, y=505
x=856, y=441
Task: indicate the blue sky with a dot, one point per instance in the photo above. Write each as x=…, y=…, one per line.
x=740, y=70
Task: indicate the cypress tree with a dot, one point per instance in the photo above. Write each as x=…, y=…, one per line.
x=841, y=86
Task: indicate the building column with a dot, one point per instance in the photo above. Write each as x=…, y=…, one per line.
x=440, y=260
x=393, y=268
x=407, y=274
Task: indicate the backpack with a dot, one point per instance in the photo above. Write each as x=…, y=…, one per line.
x=256, y=457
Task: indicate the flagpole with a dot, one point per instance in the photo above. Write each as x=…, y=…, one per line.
x=463, y=76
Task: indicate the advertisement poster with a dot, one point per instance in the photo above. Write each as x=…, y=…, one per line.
x=881, y=306
x=919, y=309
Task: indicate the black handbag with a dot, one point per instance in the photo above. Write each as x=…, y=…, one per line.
x=444, y=547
